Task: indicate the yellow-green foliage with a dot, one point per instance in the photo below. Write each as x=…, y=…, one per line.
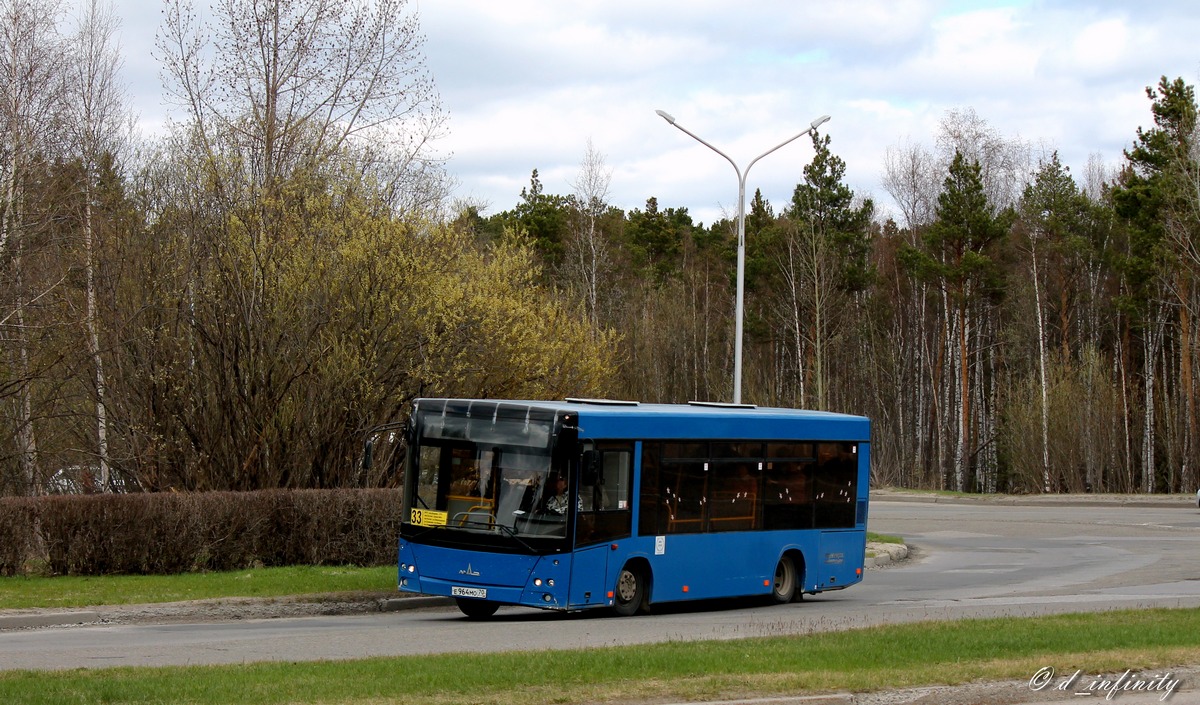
x=317, y=312
x=488, y=329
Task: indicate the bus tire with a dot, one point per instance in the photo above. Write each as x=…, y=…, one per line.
x=630, y=592
x=477, y=609
x=783, y=589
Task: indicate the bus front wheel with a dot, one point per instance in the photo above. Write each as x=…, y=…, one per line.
x=477, y=609
x=630, y=592
x=784, y=587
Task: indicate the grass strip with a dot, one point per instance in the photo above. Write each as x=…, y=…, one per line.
x=28, y=592
x=857, y=660
x=70, y=591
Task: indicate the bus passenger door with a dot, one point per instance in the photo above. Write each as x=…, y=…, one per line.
x=605, y=517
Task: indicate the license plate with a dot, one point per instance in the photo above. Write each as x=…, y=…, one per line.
x=480, y=593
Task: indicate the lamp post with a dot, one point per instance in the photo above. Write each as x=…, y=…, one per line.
x=741, y=242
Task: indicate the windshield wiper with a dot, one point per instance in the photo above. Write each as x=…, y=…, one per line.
x=506, y=530
x=513, y=533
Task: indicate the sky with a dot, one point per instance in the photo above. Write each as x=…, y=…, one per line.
x=530, y=83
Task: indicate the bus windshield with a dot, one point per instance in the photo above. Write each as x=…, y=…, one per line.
x=482, y=474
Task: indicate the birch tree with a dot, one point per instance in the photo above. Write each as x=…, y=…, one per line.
x=1053, y=214
x=588, y=262
x=957, y=254
x=1146, y=195
x=31, y=83
x=98, y=125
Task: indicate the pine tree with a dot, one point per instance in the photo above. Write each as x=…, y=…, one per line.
x=957, y=254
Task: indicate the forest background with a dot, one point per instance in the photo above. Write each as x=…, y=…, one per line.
x=234, y=305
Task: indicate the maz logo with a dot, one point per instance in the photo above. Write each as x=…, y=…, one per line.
x=468, y=571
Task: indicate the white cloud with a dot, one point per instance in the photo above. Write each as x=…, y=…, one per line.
x=528, y=83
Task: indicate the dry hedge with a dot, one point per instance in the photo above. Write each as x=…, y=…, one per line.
x=185, y=532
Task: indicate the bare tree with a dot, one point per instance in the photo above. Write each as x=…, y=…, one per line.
x=30, y=103
x=1004, y=163
x=98, y=126
x=272, y=86
x=912, y=177
x=589, y=258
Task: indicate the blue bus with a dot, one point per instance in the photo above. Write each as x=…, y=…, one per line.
x=589, y=503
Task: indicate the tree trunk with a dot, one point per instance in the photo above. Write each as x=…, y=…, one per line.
x=964, y=402
x=93, y=341
x=1041, y=330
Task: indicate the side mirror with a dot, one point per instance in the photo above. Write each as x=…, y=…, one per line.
x=590, y=470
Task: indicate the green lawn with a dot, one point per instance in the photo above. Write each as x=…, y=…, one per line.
x=67, y=591
x=857, y=660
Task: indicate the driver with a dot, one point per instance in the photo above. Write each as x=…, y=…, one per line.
x=558, y=503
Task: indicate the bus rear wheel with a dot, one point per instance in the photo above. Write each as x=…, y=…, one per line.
x=783, y=590
x=630, y=592
x=477, y=609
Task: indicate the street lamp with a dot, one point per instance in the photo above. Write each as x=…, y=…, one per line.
x=741, y=244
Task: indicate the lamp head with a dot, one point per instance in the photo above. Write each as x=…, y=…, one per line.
x=820, y=121
x=666, y=116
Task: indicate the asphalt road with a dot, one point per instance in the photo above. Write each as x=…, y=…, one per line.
x=976, y=559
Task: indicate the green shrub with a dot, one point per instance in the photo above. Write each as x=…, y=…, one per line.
x=18, y=517
x=167, y=533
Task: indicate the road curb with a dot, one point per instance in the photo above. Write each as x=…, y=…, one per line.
x=1079, y=500
x=824, y=699
x=395, y=604
x=36, y=620
x=885, y=554
x=225, y=609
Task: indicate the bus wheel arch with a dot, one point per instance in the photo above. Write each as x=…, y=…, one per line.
x=632, y=591
x=788, y=583
x=801, y=571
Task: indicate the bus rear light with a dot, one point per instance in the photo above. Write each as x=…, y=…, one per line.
x=537, y=582
x=547, y=597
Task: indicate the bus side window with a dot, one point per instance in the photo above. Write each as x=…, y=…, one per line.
x=652, y=510
x=787, y=493
x=835, y=485
x=604, y=493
